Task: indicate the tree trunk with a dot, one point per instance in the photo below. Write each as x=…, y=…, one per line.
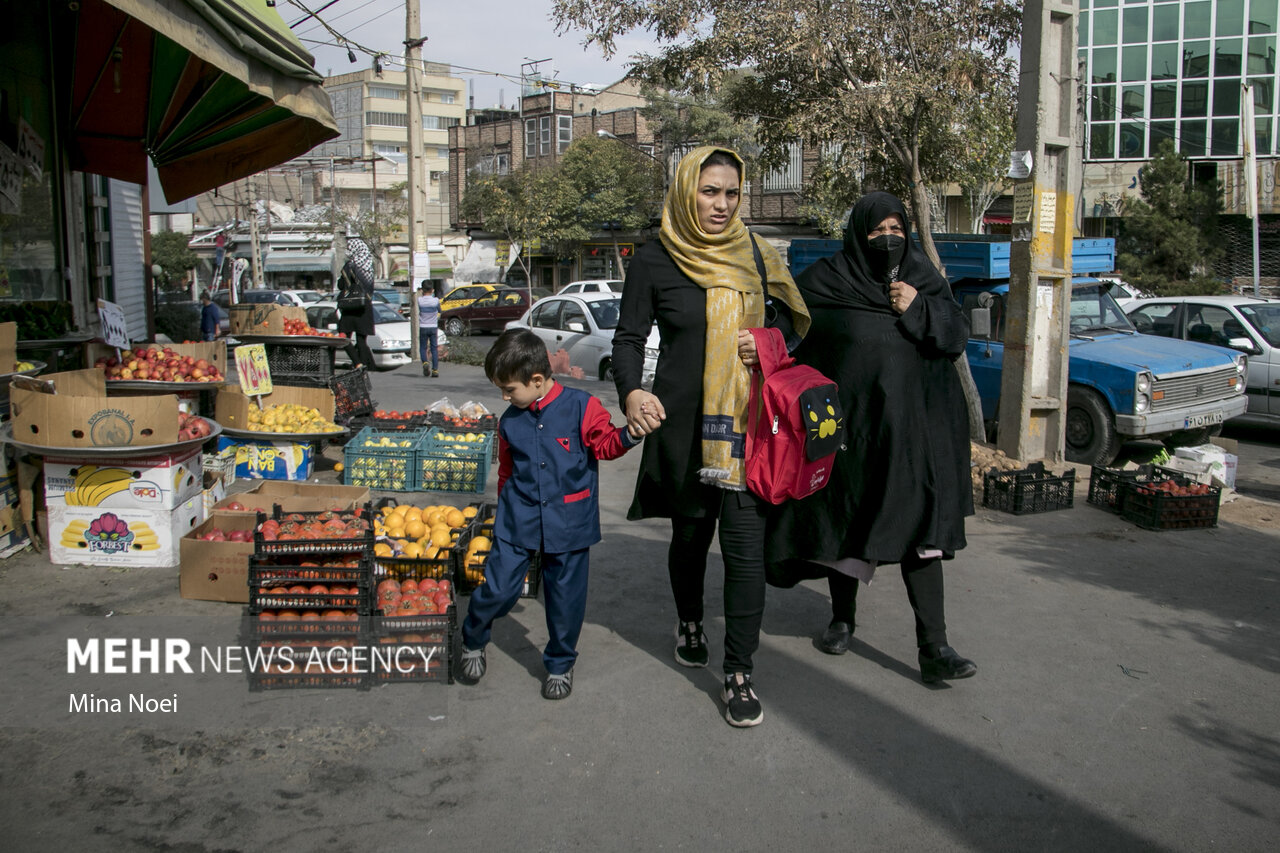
x=920, y=204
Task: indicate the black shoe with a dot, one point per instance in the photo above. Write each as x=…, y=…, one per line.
x=557, y=686
x=691, y=644
x=426, y=371
x=835, y=640
x=741, y=705
x=938, y=663
x=435, y=374
x=471, y=665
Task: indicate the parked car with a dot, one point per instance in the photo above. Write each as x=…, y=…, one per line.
x=465, y=294
x=598, y=285
x=390, y=343
x=303, y=298
x=1122, y=292
x=396, y=298
x=1246, y=324
x=489, y=313
x=583, y=325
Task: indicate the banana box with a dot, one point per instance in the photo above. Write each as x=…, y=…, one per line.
x=270, y=460
x=95, y=536
x=162, y=481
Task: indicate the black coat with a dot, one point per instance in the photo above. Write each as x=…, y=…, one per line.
x=902, y=480
x=656, y=289
x=354, y=283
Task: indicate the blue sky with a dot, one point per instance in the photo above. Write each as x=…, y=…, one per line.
x=492, y=38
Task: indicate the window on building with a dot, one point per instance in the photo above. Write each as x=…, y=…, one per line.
x=1195, y=59
x=380, y=148
x=1164, y=22
x=1164, y=100
x=438, y=122
x=1262, y=55
x=530, y=137
x=1192, y=138
x=1226, y=96
x=1227, y=58
x=1102, y=141
x=448, y=98
x=1133, y=137
x=389, y=92
x=1133, y=102
x=1104, y=26
x=442, y=153
x=1103, y=107
x=1165, y=60
x=1225, y=141
x=1230, y=17
x=1196, y=18
x=1262, y=17
x=544, y=135
x=564, y=134
x=1133, y=63
x=1104, y=65
x=1195, y=99
x=376, y=118
x=1135, y=25
x=488, y=164
x=789, y=177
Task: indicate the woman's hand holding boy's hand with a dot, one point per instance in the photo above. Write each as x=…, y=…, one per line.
x=644, y=413
x=747, y=348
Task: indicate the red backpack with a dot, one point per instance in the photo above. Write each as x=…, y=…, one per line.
x=795, y=424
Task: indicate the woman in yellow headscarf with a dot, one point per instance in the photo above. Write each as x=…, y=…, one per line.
x=703, y=283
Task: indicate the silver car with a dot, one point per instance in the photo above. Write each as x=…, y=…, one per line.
x=390, y=342
x=582, y=325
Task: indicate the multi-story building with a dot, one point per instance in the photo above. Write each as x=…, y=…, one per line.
x=1163, y=69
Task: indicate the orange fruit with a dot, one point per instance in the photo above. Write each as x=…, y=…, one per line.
x=441, y=537
x=455, y=518
x=415, y=529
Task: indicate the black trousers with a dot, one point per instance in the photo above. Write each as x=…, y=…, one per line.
x=923, y=579
x=359, y=352
x=741, y=518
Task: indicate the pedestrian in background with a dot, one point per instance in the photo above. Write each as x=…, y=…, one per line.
x=210, y=317
x=428, y=321
x=887, y=329
x=550, y=441
x=355, y=311
x=702, y=284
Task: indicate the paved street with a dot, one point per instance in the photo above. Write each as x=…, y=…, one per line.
x=1125, y=700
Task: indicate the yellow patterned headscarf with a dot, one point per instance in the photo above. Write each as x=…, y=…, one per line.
x=724, y=265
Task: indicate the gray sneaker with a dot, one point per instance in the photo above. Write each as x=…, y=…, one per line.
x=471, y=665
x=558, y=686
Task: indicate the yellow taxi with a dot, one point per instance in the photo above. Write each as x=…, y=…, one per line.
x=465, y=294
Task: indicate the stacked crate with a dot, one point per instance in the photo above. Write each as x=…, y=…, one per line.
x=453, y=461
x=472, y=551
x=383, y=459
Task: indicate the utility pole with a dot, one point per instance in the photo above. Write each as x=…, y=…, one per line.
x=339, y=237
x=255, y=258
x=417, y=201
x=1034, y=400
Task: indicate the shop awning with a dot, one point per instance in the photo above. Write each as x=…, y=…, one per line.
x=298, y=262
x=211, y=90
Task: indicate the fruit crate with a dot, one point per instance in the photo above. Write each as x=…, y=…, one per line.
x=1171, y=503
x=1106, y=485
x=413, y=422
x=484, y=423
x=389, y=467
x=306, y=529
x=305, y=366
x=1030, y=490
x=468, y=573
x=396, y=661
x=352, y=395
x=320, y=661
x=448, y=463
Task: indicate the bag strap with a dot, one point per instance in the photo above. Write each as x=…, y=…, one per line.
x=764, y=279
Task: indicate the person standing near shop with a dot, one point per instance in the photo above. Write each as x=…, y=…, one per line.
x=701, y=283
x=550, y=442
x=428, y=321
x=355, y=313
x=210, y=317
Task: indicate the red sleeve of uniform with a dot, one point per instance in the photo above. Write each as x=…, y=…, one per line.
x=504, y=461
x=598, y=433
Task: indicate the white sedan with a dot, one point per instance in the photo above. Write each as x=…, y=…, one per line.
x=392, y=339
x=582, y=325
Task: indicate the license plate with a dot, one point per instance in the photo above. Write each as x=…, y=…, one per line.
x=1203, y=420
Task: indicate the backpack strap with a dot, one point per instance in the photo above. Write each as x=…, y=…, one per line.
x=771, y=350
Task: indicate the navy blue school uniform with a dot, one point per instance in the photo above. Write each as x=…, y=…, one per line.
x=548, y=499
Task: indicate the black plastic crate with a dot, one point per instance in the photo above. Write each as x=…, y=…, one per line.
x=1106, y=485
x=313, y=545
x=412, y=422
x=484, y=423
x=273, y=571
x=414, y=661
x=352, y=393
x=1030, y=490
x=264, y=626
x=468, y=566
x=295, y=360
x=1154, y=506
x=282, y=680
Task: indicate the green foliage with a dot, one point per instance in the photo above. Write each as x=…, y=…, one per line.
x=917, y=84
x=462, y=351
x=171, y=251
x=1169, y=237
x=683, y=118
x=829, y=193
x=377, y=227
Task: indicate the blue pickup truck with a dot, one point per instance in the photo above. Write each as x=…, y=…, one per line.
x=1121, y=385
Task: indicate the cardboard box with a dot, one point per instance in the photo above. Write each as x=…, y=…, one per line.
x=260, y=319
x=72, y=409
x=163, y=481
x=296, y=497
x=214, y=352
x=270, y=460
x=8, y=347
x=232, y=407
x=13, y=533
x=1222, y=465
x=216, y=571
x=150, y=537
x=215, y=489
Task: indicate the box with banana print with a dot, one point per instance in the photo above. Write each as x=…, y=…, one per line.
x=159, y=481
x=97, y=536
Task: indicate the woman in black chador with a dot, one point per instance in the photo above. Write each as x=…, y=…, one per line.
x=887, y=329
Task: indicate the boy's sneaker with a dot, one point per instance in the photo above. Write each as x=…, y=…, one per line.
x=435, y=374
x=557, y=686
x=471, y=666
x=691, y=644
x=742, y=706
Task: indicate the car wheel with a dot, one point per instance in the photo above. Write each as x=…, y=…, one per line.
x=455, y=328
x=606, y=370
x=1091, y=433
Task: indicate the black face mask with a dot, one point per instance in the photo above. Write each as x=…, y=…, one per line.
x=891, y=244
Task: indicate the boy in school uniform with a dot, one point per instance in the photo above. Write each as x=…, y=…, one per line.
x=550, y=441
